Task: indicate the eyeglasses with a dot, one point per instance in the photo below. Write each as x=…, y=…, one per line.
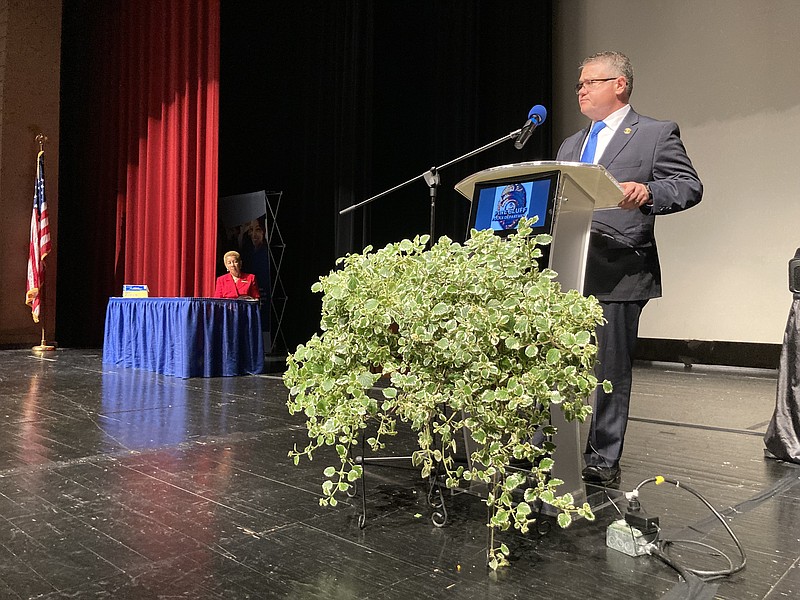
x=590, y=83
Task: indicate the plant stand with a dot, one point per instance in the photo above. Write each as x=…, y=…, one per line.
x=478, y=328
x=435, y=496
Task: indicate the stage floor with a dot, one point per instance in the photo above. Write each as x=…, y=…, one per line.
x=126, y=484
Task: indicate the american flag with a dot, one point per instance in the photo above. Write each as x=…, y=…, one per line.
x=40, y=241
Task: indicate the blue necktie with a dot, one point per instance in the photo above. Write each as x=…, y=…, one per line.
x=591, y=144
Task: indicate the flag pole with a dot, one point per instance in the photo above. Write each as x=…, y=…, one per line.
x=43, y=345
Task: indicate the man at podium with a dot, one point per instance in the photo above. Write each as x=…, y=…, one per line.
x=649, y=160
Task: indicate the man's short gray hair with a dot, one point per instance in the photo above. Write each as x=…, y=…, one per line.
x=617, y=62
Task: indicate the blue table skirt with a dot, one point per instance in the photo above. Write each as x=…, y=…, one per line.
x=184, y=337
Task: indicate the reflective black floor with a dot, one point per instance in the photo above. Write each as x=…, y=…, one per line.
x=126, y=484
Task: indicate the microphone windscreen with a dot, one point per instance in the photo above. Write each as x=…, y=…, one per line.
x=538, y=113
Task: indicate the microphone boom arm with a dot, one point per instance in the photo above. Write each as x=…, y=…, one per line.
x=433, y=171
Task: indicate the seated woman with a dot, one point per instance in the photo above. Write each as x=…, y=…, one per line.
x=235, y=284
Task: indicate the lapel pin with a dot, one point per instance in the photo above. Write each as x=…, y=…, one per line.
x=627, y=131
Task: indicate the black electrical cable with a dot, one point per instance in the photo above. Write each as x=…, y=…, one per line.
x=658, y=549
x=708, y=546
x=682, y=571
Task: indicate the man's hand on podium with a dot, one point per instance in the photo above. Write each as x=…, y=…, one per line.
x=636, y=195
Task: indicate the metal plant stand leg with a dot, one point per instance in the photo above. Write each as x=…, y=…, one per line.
x=435, y=496
x=490, y=532
x=363, y=461
x=436, y=500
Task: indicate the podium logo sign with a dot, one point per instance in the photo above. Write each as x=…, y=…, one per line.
x=511, y=207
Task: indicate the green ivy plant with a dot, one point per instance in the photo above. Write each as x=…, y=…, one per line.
x=472, y=335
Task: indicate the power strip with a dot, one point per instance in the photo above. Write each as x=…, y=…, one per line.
x=620, y=536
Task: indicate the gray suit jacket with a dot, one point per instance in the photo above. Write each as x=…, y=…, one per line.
x=623, y=260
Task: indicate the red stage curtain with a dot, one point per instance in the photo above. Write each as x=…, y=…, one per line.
x=168, y=128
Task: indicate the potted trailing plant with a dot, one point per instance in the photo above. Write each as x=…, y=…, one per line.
x=473, y=335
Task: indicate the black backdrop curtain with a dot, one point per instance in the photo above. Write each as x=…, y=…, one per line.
x=333, y=102
x=329, y=102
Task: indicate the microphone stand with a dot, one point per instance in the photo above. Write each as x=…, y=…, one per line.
x=431, y=177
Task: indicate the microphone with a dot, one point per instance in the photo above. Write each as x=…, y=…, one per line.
x=536, y=117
